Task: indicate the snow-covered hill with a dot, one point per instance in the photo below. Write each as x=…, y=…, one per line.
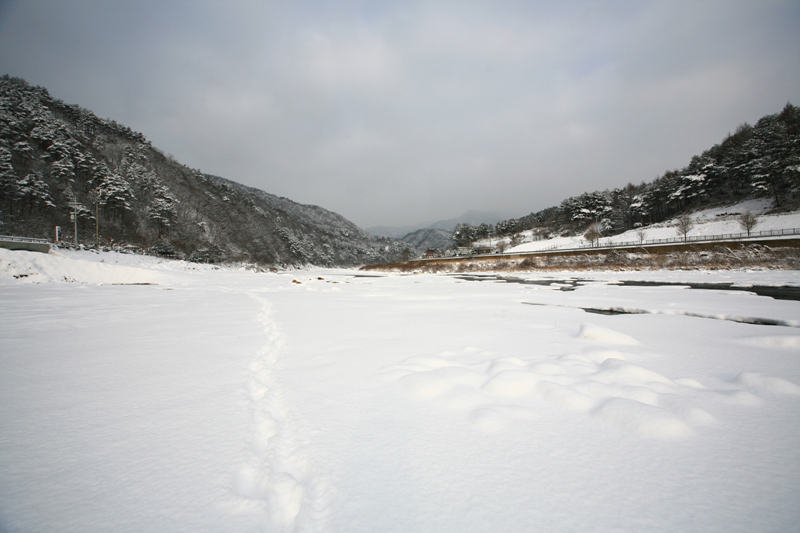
x=707, y=222
x=425, y=239
x=57, y=160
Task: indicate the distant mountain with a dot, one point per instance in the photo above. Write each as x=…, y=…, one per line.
x=57, y=160
x=472, y=217
x=424, y=239
x=394, y=232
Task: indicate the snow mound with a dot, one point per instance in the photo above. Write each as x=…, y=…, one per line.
x=645, y=420
x=622, y=372
x=33, y=267
x=513, y=383
x=499, y=418
x=755, y=382
x=591, y=332
x=426, y=385
x=782, y=341
x=601, y=384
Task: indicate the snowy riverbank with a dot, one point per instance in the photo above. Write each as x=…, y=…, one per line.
x=142, y=394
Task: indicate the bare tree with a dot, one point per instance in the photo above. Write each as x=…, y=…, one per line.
x=684, y=225
x=593, y=234
x=747, y=221
x=641, y=234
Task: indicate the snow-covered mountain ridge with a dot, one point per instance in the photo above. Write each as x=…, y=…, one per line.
x=58, y=160
x=755, y=162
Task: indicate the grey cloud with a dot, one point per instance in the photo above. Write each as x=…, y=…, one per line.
x=396, y=113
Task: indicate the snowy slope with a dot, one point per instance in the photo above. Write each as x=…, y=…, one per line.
x=52, y=151
x=715, y=221
x=327, y=400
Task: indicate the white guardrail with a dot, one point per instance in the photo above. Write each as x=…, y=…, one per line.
x=697, y=238
x=675, y=240
x=11, y=238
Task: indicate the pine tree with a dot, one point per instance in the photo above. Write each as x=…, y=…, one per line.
x=35, y=191
x=162, y=209
x=115, y=194
x=8, y=179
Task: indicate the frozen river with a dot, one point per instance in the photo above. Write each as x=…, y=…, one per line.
x=147, y=395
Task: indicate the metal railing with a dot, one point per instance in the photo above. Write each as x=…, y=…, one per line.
x=11, y=238
x=675, y=240
x=696, y=238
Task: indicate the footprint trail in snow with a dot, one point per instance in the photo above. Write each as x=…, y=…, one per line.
x=278, y=480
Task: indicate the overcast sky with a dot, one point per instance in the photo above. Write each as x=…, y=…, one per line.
x=395, y=113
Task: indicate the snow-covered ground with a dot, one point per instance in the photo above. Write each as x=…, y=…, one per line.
x=147, y=395
x=707, y=222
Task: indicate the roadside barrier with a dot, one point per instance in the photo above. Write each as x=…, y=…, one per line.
x=742, y=237
x=11, y=238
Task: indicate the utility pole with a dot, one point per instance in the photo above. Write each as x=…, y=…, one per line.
x=73, y=203
x=95, y=197
x=74, y=206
